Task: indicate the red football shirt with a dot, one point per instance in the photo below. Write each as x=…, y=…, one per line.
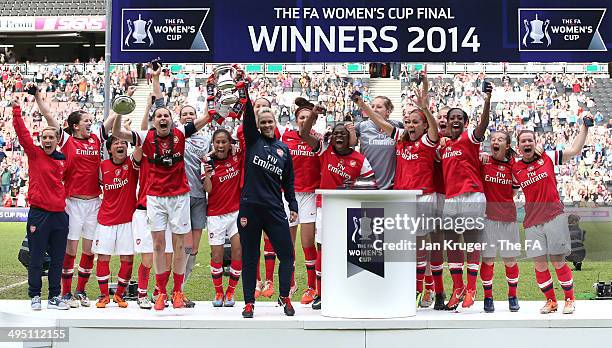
x=83, y=155
x=143, y=181
x=461, y=165
x=306, y=165
x=498, y=189
x=415, y=163
x=336, y=168
x=438, y=176
x=164, y=181
x=119, y=183
x=537, y=179
x=224, y=197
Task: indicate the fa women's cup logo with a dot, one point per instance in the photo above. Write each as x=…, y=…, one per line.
x=139, y=30
x=539, y=30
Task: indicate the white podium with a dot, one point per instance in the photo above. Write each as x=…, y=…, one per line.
x=348, y=290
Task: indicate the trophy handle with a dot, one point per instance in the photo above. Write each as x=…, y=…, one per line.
x=127, y=38
x=149, y=24
x=526, y=32
x=546, y=24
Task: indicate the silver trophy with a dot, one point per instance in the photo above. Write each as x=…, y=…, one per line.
x=225, y=75
x=142, y=29
x=539, y=30
x=123, y=105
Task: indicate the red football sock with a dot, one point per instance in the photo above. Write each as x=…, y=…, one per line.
x=85, y=268
x=235, y=271
x=270, y=258
x=216, y=271
x=103, y=275
x=455, y=266
x=486, y=275
x=420, y=274
x=310, y=259
x=178, y=282
x=564, y=275
x=161, y=282
x=437, y=274
x=472, y=275
x=318, y=270
x=67, y=272
x=429, y=283
x=546, y=284
x=473, y=264
x=124, y=276
x=512, y=277
x=143, y=280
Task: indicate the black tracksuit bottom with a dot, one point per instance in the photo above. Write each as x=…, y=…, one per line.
x=252, y=219
x=46, y=231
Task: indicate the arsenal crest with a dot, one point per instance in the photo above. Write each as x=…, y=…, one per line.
x=352, y=163
x=530, y=168
x=243, y=221
x=280, y=152
x=125, y=167
x=32, y=229
x=501, y=168
x=176, y=139
x=117, y=172
x=91, y=140
x=540, y=161
x=138, y=241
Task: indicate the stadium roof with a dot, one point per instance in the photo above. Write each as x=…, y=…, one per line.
x=13, y=8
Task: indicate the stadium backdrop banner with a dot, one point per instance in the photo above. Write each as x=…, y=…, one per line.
x=347, y=31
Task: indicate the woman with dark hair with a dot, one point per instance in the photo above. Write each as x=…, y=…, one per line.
x=82, y=149
x=307, y=178
x=47, y=227
x=500, y=219
x=339, y=163
x=545, y=223
x=222, y=183
x=268, y=174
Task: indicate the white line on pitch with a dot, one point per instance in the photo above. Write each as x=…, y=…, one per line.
x=8, y=287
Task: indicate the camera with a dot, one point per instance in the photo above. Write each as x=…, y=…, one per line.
x=166, y=161
x=156, y=63
x=487, y=87
x=32, y=89
x=588, y=122
x=355, y=95
x=211, y=163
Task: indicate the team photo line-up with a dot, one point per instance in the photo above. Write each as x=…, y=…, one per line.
x=179, y=181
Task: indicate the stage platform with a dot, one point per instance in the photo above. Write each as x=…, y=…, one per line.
x=223, y=327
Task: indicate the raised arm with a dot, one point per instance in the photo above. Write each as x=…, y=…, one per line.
x=110, y=120
x=577, y=145
x=156, y=85
x=305, y=134
x=249, y=124
x=422, y=103
x=206, y=177
x=201, y=121
x=481, y=128
x=43, y=107
x=119, y=131
x=144, y=123
x=378, y=120
x=25, y=139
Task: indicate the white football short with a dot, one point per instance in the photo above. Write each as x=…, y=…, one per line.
x=307, y=208
x=221, y=227
x=426, y=208
x=82, y=217
x=114, y=240
x=319, y=227
x=502, y=236
x=143, y=241
x=172, y=211
x=471, y=204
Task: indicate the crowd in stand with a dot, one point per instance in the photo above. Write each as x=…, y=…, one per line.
x=552, y=105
